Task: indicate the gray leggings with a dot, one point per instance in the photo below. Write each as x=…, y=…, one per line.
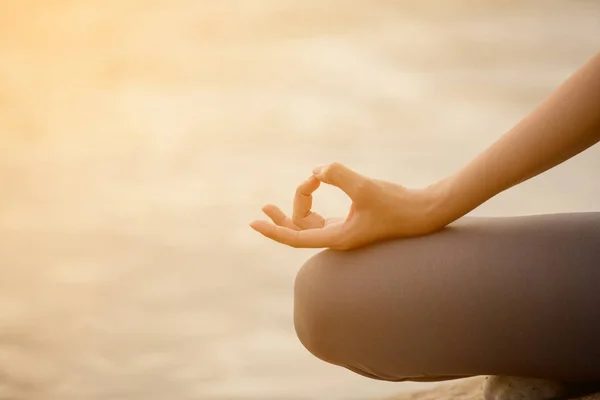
x=516, y=296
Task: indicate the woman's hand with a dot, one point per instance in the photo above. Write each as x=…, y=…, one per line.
x=564, y=125
x=380, y=210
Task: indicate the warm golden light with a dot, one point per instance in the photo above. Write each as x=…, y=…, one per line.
x=138, y=138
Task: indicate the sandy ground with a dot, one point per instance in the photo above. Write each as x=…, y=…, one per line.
x=138, y=138
x=464, y=389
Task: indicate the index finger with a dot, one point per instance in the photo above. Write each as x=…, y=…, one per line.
x=303, y=205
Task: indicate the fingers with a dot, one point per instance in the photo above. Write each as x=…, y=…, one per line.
x=312, y=238
x=278, y=217
x=352, y=183
x=302, y=215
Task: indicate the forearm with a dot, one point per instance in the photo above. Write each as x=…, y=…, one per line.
x=564, y=125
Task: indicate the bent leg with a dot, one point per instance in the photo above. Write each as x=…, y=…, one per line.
x=516, y=296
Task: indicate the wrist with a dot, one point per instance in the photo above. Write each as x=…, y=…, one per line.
x=440, y=209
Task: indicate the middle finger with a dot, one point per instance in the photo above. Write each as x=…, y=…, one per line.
x=278, y=217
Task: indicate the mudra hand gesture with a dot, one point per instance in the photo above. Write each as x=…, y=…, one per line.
x=380, y=210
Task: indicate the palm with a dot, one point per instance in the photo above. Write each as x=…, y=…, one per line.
x=334, y=227
x=333, y=223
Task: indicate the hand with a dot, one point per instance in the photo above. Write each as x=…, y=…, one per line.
x=380, y=210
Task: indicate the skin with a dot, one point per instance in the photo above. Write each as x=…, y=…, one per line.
x=564, y=125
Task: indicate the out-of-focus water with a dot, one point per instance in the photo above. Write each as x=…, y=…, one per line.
x=138, y=139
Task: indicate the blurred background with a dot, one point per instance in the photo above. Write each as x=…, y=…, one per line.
x=139, y=138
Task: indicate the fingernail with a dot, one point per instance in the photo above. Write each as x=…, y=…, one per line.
x=318, y=169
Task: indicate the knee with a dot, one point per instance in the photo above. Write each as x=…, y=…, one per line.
x=314, y=307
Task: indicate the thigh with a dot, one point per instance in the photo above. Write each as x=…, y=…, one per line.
x=500, y=296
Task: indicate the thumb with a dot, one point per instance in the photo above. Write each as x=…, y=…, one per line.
x=336, y=174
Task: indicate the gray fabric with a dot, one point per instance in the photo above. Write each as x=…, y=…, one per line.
x=516, y=296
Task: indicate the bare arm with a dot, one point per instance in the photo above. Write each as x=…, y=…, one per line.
x=567, y=123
